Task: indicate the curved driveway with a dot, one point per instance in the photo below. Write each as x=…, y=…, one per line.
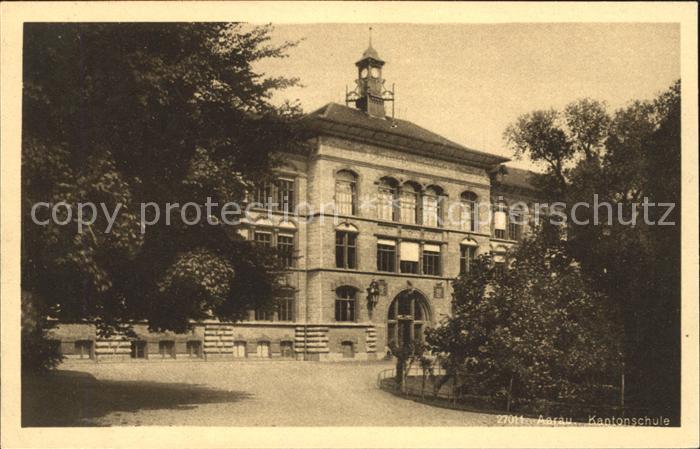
x=248, y=393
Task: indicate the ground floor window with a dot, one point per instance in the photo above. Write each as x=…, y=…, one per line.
x=239, y=349
x=166, y=349
x=287, y=349
x=348, y=349
x=194, y=349
x=83, y=349
x=138, y=349
x=263, y=349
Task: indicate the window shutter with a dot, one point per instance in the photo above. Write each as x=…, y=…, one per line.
x=499, y=220
x=431, y=248
x=409, y=251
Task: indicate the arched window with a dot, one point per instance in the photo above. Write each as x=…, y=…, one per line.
x=409, y=202
x=387, y=199
x=346, y=192
x=469, y=219
x=406, y=318
x=500, y=220
x=345, y=303
x=431, y=206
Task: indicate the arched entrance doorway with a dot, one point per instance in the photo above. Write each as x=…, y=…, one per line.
x=407, y=317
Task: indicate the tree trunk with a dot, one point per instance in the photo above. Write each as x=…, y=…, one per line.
x=454, y=389
x=510, y=392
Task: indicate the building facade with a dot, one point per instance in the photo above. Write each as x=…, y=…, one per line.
x=374, y=222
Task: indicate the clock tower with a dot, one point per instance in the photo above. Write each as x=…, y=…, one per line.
x=370, y=94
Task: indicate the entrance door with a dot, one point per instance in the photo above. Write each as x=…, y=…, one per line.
x=406, y=318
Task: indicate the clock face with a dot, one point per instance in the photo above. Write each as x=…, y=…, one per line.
x=363, y=73
x=375, y=72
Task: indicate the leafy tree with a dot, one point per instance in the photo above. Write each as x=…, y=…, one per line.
x=127, y=114
x=534, y=330
x=623, y=157
x=39, y=352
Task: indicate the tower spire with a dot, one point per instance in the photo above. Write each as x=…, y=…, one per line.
x=370, y=36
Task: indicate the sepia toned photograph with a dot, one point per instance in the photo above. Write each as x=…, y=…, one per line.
x=362, y=224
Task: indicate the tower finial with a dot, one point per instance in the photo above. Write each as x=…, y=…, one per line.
x=370, y=36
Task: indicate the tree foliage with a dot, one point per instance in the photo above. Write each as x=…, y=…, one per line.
x=623, y=157
x=125, y=114
x=537, y=328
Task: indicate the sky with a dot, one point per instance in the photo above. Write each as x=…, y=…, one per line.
x=468, y=82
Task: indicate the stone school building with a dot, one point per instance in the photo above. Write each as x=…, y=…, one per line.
x=409, y=210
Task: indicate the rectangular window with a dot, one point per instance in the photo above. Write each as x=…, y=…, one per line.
x=285, y=306
x=348, y=349
x=239, y=349
x=194, y=349
x=499, y=223
x=345, y=310
x=264, y=195
x=345, y=304
x=278, y=195
x=287, y=349
x=166, y=349
x=263, y=238
x=409, y=253
x=431, y=260
x=263, y=349
x=83, y=349
x=138, y=349
x=285, y=248
x=285, y=194
x=263, y=315
x=466, y=257
x=386, y=255
x=345, y=249
x=515, y=225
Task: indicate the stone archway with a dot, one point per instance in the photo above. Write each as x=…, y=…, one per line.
x=407, y=317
